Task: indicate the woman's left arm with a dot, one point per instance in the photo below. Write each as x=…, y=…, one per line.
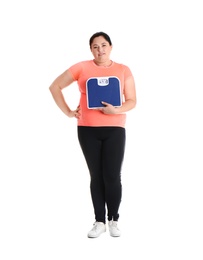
x=130, y=99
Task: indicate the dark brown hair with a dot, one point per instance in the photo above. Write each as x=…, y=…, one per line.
x=97, y=34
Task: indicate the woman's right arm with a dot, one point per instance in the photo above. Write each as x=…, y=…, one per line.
x=62, y=81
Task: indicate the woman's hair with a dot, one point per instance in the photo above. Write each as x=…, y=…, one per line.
x=97, y=34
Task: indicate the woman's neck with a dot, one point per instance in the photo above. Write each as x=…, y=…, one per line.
x=107, y=63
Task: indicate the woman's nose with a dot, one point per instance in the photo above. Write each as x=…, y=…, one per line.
x=100, y=49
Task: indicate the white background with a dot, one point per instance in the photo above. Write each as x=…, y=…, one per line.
x=45, y=205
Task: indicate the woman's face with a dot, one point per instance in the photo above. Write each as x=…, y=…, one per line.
x=101, y=49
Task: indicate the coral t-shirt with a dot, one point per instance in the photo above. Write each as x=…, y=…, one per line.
x=84, y=70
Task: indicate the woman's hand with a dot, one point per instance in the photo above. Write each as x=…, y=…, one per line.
x=108, y=108
x=75, y=113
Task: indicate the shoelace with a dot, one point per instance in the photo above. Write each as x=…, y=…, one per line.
x=113, y=224
x=96, y=225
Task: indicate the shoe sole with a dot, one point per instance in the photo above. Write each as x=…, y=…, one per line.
x=115, y=235
x=89, y=236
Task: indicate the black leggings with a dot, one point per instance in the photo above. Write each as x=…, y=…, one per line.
x=103, y=149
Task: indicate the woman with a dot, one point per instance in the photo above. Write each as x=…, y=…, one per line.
x=101, y=131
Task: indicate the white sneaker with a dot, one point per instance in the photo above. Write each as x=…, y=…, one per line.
x=113, y=229
x=97, y=230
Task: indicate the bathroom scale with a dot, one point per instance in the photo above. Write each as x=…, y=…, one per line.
x=105, y=89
